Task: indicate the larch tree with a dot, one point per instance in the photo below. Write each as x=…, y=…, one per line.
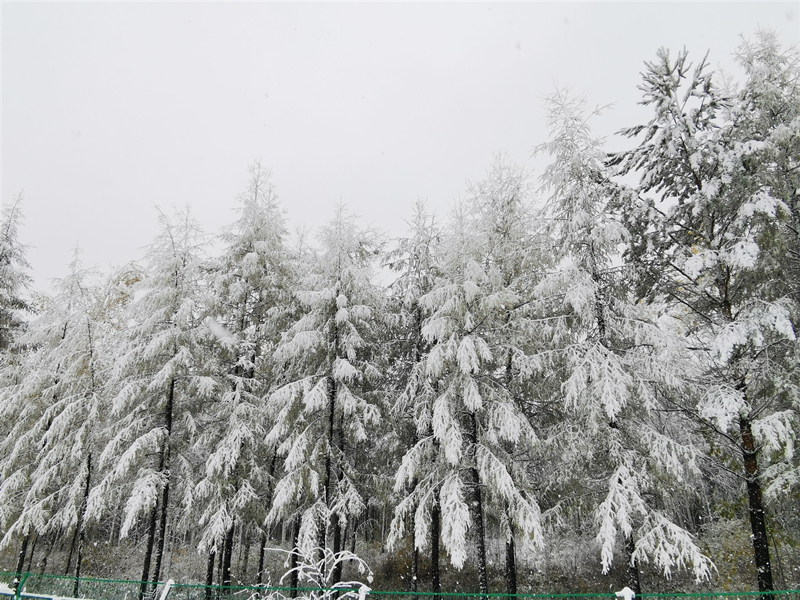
x=251, y=299
x=469, y=423
x=162, y=374
x=415, y=261
x=65, y=370
x=706, y=236
x=329, y=405
x=617, y=357
x=14, y=277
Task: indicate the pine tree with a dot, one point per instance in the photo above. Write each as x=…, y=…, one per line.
x=53, y=445
x=415, y=261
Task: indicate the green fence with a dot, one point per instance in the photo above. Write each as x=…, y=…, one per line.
x=32, y=586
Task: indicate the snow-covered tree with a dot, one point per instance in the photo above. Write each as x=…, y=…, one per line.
x=706, y=235
x=617, y=358
x=14, y=277
x=326, y=408
x=469, y=424
x=57, y=414
x=162, y=374
x=415, y=261
x=251, y=298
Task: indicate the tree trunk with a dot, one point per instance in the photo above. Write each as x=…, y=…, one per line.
x=23, y=551
x=80, y=525
x=436, y=518
x=210, y=573
x=227, y=555
x=47, y=552
x=511, y=557
x=414, y=558
x=294, y=579
x=72, y=546
x=631, y=567
x=246, y=549
x=148, y=553
x=477, y=508
x=758, y=525
x=33, y=549
x=337, y=548
x=261, y=549
x=164, y=468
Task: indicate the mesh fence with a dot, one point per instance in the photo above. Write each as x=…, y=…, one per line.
x=39, y=586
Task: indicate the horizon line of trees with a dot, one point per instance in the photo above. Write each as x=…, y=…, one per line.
x=575, y=353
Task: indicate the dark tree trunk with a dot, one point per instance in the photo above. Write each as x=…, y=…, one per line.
x=210, y=573
x=758, y=525
x=80, y=524
x=227, y=554
x=337, y=548
x=414, y=560
x=294, y=580
x=511, y=557
x=33, y=549
x=148, y=553
x=631, y=567
x=262, y=546
x=164, y=468
x=162, y=533
x=23, y=551
x=477, y=508
x=436, y=518
x=71, y=553
x=244, y=563
x=46, y=556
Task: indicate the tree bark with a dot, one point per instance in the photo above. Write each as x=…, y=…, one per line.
x=631, y=566
x=23, y=551
x=164, y=468
x=758, y=525
x=337, y=548
x=243, y=563
x=33, y=549
x=294, y=580
x=227, y=555
x=477, y=508
x=262, y=545
x=511, y=557
x=210, y=573
x=436, y=518
x=80, y=526
x=71, y=553
x=148, y=553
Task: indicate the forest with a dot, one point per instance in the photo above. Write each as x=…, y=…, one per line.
x=578, y=380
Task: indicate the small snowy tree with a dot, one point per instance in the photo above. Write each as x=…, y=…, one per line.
x=14, y=278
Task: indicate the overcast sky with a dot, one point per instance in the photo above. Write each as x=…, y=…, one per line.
x=110, y=109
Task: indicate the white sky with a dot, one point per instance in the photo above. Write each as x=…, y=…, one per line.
x=109, y=109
